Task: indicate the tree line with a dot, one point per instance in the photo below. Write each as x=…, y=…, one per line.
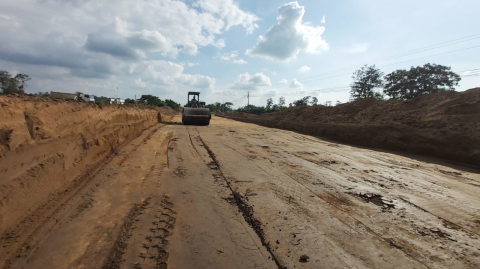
x=371, y=82
x=402, y=84
x=152, y=100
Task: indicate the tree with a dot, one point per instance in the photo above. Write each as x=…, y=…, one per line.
x=328, y=103
x=21, y=82
x=42, y=94
x=227, y=106
x=314, y=101
x=338, y=103
x=281, y=101
x=302, y=102
x=269, y=103
x=170, y=103
x=151, y=100
x=427, y=79
x=365, y=80
x=10, y=84
x=212, y=107
x=252, y=109
x=218, y=105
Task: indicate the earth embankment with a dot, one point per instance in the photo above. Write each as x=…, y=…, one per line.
x=445, y=125
x=49, y=148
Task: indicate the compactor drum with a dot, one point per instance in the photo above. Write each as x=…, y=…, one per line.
x=195, y=112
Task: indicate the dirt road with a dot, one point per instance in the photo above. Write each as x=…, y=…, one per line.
x=237, y=195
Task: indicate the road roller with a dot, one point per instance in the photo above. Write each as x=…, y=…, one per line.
x=195, y=112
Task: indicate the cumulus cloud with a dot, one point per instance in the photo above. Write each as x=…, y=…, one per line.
x=227, y=56
x=239, y=61
x=358, y=48
x=283, y=81
x=191, y=49
x=230, y=12
x=294, y=83
x=166, y=73
x=323, y=20
x=285, y=40
x=304, y=69
x=231, y=57
x=251, y=82
x=111, y=43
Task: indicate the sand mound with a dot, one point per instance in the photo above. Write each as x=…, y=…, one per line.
x=445, y=125
x=47, y=146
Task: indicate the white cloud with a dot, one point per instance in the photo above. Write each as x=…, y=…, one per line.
x=95, y=43
x=224, y=58
x=358, y=48
x=239, y=61
x=192, y=64
x=231, y=57
x=8, y=23
x=283, y=81
x=304, y=69
x=253, y=82
x=285, y=40
x=323, y=20
x=229, y=11
x=140, y=83
x=191, y=49
x=294, y=83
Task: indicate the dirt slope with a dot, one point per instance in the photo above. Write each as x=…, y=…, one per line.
x=48, y=149
x=445, y=125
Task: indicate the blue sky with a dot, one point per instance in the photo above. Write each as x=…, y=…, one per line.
x=167, y=47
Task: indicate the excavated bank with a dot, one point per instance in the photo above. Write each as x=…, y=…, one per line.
x=48, y=146
x=445, y=125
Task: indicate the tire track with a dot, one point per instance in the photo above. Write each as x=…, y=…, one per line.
x=239, y=200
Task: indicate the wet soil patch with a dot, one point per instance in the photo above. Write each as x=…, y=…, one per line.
x=376, y=199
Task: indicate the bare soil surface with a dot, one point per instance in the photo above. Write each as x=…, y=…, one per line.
x=238, y=195
x=445, y=124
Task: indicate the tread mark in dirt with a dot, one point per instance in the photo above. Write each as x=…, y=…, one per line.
x=121, y=243
x=154, y=253
x=247, y=211
x=161, y=228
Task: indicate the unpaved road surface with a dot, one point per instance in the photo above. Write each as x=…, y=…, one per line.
x=237, y=195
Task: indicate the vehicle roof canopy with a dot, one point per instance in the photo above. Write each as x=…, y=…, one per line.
x=193, y=93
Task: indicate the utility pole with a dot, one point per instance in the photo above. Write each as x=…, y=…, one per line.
x=248, y=101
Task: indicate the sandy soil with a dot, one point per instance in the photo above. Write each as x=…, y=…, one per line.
x=238, y=195
x=445, y=125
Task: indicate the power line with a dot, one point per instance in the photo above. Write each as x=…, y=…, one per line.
x=448, y=52
x=431, y=47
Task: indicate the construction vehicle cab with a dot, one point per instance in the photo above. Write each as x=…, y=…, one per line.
x=195, y=112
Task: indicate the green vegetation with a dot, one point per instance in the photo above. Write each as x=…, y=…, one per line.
x=219, y=107
x=13, y=84
x=155, y=101
x=402, y=84
x=365, y=80
x=42, y=94
x=270, y=107
x=427, y=79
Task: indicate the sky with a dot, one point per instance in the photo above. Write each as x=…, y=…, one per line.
x=227, y=49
